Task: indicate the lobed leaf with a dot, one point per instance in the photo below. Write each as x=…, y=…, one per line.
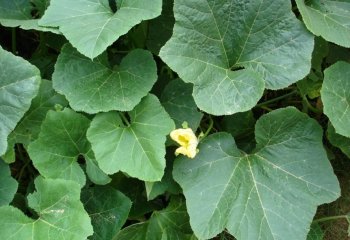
x=91, y=25
x=212, y=39
x=138, y=149
x=92, y=87
x=61, y=140
x=61, y=214
x=270, y=194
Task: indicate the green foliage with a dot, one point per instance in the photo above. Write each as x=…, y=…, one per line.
x=8, y=185
x=92, y=87
x=61, y=214
x=335, y=95
x=327, y=18
x=86, y=149
x=91, y=25
x=19, y=85
x=136, y=148
x=268, y=194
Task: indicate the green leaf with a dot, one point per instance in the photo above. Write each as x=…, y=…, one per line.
x=29, y=127
x=212, y=39
x=339, y=141
x=268, y=194
x=138, y=149
x=335, y=94
x=61, y=214
x=19, y=84
x=61, y=140
x=134, y=189
x=91, y=86
x=17, y=13
x=108, y=210
x=91, y=26
x=178, y=102
x=315, y=233
x=170, y=223
x=8, y=185
x=154, y=189
x=241, y=127
x=327, y=18
x=161, y=28
x=95, y=174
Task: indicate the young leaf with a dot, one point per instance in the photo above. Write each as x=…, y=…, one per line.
x=108, y=210
x=91, y=26
x=178, y=102
x=335, y=94
x=315, y=233
x=327, y=18
x=339, y=141
x=17, y=13
x=8, y=185
x=95, y=174
x=212, y=38
x=170, y=223
x=61, y=140
x=19, y=84
x=92, y=87
x=61, y=214
x=138, y=149
x=29, y=127
x=269, y=194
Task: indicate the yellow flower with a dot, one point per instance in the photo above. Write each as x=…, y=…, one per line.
x=187, y=140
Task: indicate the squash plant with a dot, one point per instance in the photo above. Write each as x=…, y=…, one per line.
x=173, y=119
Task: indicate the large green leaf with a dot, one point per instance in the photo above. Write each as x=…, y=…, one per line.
x=91, y=26
x=138, y=149
x=19, y=84
x=91, y=86
x=108, y=210
x=270, y=194
x=168, y=224
x=178, y=102
x=29, y=127
x=61, y=140
x=327, y=18
x=61, y=214
x=8, y=185
x=335, y=94
x=17, y=13
x=212, y=39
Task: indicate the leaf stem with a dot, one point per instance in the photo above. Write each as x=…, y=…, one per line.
x=125, y=120
x=324, y=219
x=276, y=99
x=13, y=41
x=309, y=106
x=210, y=127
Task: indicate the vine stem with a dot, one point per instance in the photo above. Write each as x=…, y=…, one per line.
x=277, y=98
x=210, y=127
x=329, y=218
x=125, y=120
